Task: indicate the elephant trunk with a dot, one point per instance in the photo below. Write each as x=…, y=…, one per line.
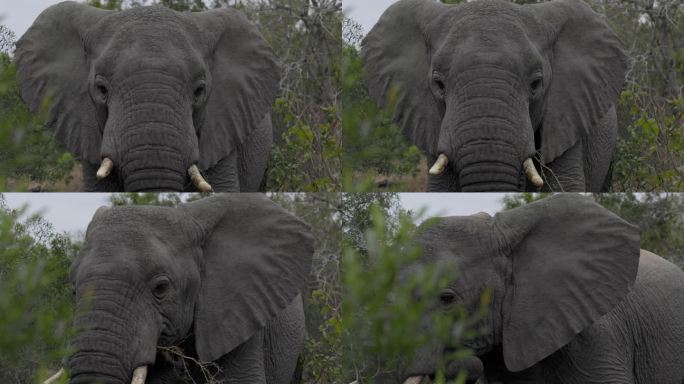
x=486, y=136
x=483, y=170
x=156, y=140
x=115, y=339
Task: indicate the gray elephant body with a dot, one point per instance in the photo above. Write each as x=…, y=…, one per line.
x=639, y=342
x=153, y=92
x=221, y=279
x=489, y=84
x=573, y=299
x=252, y=362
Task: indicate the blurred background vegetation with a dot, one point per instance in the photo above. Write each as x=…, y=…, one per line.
x=650, y=152
x=306, y=36
x=362, y=314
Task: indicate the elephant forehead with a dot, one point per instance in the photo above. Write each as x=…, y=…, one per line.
x=459, y=236
x=156, y=29
x=136, y=224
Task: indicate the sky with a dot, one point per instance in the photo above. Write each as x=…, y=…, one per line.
x=68, y=212
x=18, y=15
x=364, y=12
x=71, y=212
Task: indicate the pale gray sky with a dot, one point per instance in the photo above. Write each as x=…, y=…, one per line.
x=452, y=204
x=68, y=212
x=71, y=212
x=364, y=12
x=18, y=15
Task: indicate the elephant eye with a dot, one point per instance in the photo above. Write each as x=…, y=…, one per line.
x=101, y=89
x=161, y=287
x=447, y=297
x=199, y=92
x=535, y=86
x=439, y=83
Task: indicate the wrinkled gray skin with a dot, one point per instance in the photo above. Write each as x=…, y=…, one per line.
x=221, y=278
x=154, y=90
x=573, y=299
x=491, y=83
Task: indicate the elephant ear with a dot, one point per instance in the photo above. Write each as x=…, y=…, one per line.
x=396, y=56
x=245, y=78
x=257, y=258
x=52, y=63
x=588, y=67
x=572, y=261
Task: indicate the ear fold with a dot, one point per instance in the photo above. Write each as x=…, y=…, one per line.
x=52, y=62
x=257, y=258
x=245, y=78
x=396, y=55
x=588, y=67
x=573, y=262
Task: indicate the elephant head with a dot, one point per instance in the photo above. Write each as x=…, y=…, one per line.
x=150, y=95
x=214, y=271
x=485, y=86
x=553, y=268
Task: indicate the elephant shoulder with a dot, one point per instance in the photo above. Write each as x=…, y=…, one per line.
x=654, y=269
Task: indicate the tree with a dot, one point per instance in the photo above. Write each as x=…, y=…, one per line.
x=650, y=153
x=35, y=298
x=30, y=157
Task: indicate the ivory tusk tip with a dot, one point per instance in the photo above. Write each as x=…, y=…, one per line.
x=53, y=379
x=198, y=180
x=532, y=174
x=139, y=375
x=440, y=165
x=105, y=168
x=205, y=187
x=537, y=181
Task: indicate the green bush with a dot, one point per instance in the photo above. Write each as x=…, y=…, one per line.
x=385, y=308
x=35, y=298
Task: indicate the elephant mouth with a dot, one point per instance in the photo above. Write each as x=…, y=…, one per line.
x=528, y=168
x=193, y=173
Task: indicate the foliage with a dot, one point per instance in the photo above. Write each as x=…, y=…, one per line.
x=385, y=305
x=136, y=198
x=35, y=298
x=650, y=153
x=659, y=216
x=373, y=144
x=29, y=155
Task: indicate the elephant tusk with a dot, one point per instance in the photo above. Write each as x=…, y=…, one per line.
x=139, y=375
x=440, y=165
x=53, y=379
x=198, y=180
x=532, y=173
x=414, y=380
x=105, y=168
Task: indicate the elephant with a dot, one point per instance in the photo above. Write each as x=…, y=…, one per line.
x=150, y=99
x=500, y=96
x=573, y=299
x=221, y=278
